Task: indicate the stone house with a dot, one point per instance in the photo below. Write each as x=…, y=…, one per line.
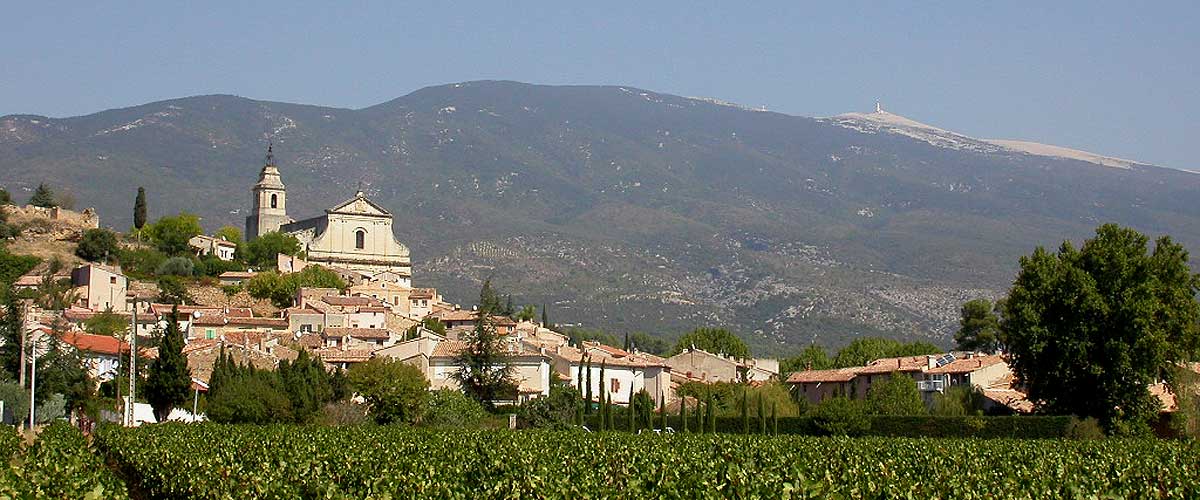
x=101, y=287
x=701, y=365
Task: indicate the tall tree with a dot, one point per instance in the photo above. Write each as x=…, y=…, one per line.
x=979, y=326
x=588, y=387
x=812, y=357
x=139, y=209
x=489, y=300
x=171, y=233
x=1089, y=329
x=484, y=371
x=394, y=391
x=43, y=197
x=545, y=317
x=169, y=378
x=714, y=340
x=97, y=245
x=263, y=252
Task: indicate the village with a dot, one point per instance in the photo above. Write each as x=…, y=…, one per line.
x=381, y=314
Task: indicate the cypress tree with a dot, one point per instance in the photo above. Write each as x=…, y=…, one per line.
x=579, y=377
x=683, y=414
x=762, y=416
x=169, y=378
x=600, y=387
x=745, y=413
x=588, y=409
x=662, y=412
x=139, y=209
x=632, y=420
x=545, y=317
x=712, y=417
x=626, y=341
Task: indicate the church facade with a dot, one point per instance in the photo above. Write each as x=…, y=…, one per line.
x=355, y=234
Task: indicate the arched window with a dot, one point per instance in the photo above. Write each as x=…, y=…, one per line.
x=274, y=200
x=360, y=239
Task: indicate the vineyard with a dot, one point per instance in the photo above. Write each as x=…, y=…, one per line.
x=212, y=461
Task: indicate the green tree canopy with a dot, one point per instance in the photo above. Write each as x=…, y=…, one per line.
x=394, y=391
x=812, y=357
x=98, y=245
x=714, y=340
x=644, y=342
x=5, y=198
x=1089, y=329
x=895, y=395
x=107, y=323
x=282, y=288
x=979, y=326
x=230, y=233
x=864, y=350
x=171, y=234
x=43, y=197
x=169, y=378
x=263, y=252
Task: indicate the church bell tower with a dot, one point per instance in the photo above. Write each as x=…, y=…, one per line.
x=270, y=201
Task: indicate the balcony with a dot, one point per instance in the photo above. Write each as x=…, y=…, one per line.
x=931, y=385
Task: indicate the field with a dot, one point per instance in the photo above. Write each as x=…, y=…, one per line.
x=212, y=461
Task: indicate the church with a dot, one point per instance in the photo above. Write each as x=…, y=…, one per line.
x=355, y=234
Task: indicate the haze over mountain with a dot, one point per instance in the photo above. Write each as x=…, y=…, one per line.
x=630, y=209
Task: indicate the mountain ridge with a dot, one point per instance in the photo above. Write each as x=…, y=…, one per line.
x=625, y=208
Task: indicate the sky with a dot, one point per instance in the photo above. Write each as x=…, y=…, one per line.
x=1116, y=78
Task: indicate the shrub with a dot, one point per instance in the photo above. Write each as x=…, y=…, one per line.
x=176, y=266
x=841, y=416
x=394, y=391
x=449, y=408
x=555, y=411
x=1084, y=428
x=895, y=395
x=141, y=262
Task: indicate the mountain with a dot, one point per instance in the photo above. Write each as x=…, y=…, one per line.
x=629, y=209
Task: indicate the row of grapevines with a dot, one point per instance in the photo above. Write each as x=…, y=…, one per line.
x=212, y=461
x=57, y=465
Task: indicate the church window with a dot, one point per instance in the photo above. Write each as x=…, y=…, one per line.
x=360, y=239
x=274, y=200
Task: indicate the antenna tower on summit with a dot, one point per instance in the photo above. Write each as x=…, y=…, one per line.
x=878, y=107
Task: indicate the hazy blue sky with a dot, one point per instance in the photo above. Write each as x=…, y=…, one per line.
x=1110, y=77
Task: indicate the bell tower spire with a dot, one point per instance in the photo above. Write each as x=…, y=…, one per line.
x=268, y=201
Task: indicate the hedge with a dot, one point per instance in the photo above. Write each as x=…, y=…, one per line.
x=1021, y=427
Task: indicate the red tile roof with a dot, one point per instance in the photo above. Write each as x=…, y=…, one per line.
x=834, y=375
x=273, y=323
x=336, y=355
x=340, y=300
x=358, y=333
x=889, y=365
x=968, y=365
x=99, y=344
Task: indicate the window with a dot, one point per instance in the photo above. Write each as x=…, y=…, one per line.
x=616, y=386
x=112, y=280
x=274, y=200
x=209, y=333
x=360, y=239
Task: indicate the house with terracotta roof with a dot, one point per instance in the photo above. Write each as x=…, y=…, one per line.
x=437, y=357
x=819, y=385
x=101, y=354
x=371, y=338
x=707, y=367
x=212, y=245
x=623, y=371
x=232, y=278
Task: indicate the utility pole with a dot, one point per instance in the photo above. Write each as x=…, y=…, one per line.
x=32, y=382
x=132, y=365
